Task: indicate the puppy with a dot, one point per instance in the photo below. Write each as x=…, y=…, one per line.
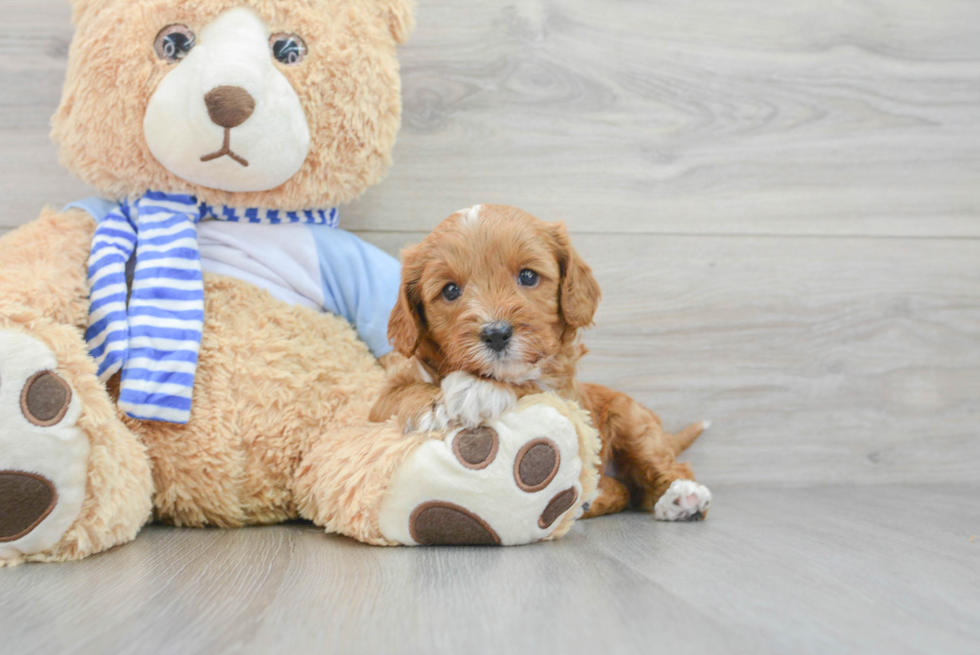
x=490, y=309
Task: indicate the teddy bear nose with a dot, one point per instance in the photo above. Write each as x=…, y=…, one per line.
x=229, y=106
x=497, y=335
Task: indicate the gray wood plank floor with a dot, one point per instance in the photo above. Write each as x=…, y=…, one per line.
x=782, y=204
x=831, y=570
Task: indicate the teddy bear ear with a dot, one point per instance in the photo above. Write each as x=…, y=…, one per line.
x=401, y=18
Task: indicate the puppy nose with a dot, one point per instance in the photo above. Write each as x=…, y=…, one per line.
x=229, y=106
x=497, y=335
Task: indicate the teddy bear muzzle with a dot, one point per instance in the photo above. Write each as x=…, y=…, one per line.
x=26, y=499
x=225, y=116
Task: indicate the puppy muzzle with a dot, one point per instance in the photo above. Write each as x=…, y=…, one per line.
x=497, y=336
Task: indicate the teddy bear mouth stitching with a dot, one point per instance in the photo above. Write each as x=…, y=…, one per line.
x=225, y=151
x=228, y=107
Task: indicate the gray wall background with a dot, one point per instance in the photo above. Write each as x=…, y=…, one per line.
x=781, y=201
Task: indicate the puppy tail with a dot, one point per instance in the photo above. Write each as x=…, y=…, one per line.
x=682, y=440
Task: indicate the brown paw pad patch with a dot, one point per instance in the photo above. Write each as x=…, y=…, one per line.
x=476, y=448
x=26, y=499
x=536, y=465
x=444, y=524
x=560, y=504
x=45, y=399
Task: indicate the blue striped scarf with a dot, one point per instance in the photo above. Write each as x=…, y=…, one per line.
x=153, y=331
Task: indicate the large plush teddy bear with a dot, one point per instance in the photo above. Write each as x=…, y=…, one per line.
x=203, y=347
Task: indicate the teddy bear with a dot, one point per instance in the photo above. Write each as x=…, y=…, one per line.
x=202, y=345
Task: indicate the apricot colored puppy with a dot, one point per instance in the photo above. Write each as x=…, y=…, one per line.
x=490, y=309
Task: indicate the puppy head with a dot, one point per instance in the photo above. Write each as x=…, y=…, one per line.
x=492, y=291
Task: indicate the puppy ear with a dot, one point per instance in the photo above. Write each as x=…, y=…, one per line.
x=401, y=18
x=579, y=291
x=407, y=323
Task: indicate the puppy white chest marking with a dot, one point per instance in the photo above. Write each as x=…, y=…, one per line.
x=470, y=400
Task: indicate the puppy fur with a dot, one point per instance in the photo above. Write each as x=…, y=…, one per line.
x=454, y=376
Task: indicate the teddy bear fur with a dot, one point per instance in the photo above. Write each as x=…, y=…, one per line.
x=43, y=293
x=350, y=86
x=279, y=427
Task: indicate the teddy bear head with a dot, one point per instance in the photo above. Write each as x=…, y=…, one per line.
x=280, y=104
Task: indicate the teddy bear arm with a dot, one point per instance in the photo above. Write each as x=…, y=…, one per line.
x=44, y=265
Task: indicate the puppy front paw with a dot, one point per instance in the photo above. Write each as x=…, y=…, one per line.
x=433, y=419
x=471, y=401
x=685, y=500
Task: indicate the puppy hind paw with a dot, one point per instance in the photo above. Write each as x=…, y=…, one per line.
x=684, y=500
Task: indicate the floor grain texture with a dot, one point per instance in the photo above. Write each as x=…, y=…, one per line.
x=781, y=203
x=818, y=570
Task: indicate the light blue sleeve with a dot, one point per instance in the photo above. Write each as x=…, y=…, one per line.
x=360, y=283
x=97, y=207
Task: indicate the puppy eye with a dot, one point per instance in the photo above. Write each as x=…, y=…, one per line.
x=288, y=49
x=451, y=292
x=173, y=43
x=528, y=278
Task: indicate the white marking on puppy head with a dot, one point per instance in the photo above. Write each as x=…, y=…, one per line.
x=471, y=215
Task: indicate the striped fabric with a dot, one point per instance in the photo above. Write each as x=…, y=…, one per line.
x=152, y=332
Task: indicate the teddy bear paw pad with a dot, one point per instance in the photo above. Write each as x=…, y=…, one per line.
x=504, y=483
x=43, y=454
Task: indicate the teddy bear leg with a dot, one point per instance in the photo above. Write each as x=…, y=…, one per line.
x=73, y=480
x=43, y=453
x=521, y=478
x=515, y=480
x=341, y=480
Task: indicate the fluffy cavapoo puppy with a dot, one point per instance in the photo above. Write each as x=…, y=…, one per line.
x=490, y=308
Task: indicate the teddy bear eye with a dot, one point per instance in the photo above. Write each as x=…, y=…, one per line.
x=528, y=278
x=174, y=42
x=288, y=49
x=451, y=292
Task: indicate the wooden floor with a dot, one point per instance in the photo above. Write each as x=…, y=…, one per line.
x=832, y=570
x=781, y=201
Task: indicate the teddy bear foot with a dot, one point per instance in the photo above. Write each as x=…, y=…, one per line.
x=515, y=480
x=43, y=455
